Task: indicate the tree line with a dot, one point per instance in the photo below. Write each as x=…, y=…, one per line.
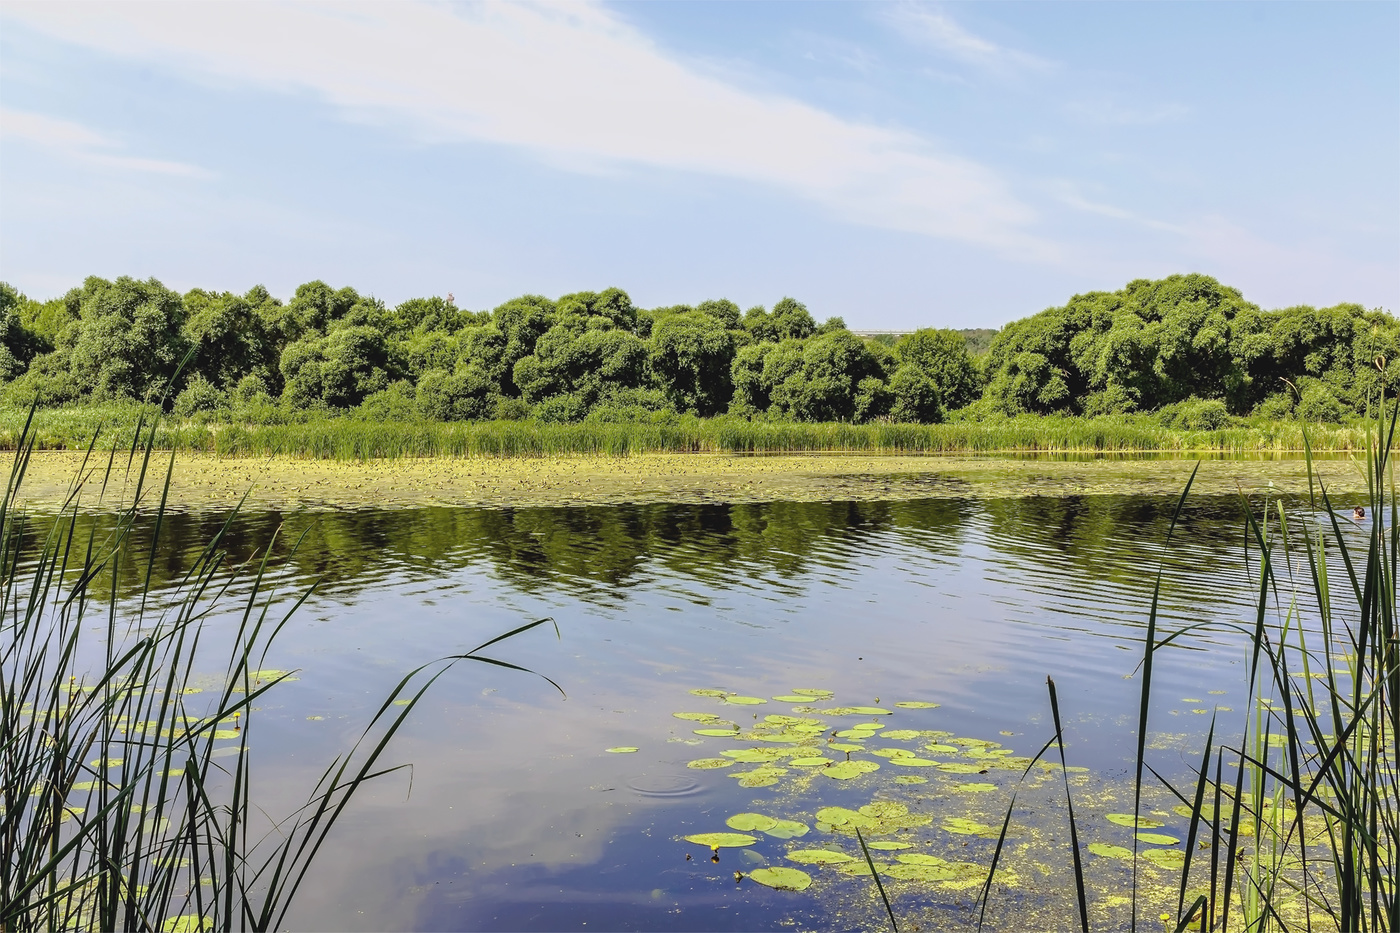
x=1185, y=347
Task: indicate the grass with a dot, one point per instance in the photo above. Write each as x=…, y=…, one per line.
x=352, y=438
x=1294, y=825
x=126, y=790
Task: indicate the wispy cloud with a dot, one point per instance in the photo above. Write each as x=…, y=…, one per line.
x=569, y=83
x=77, y=142
x=931, y=26
x=1113, y=113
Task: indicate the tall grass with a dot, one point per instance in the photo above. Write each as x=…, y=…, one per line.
x=1295, y=823
x=126, y=791
x=351, y=438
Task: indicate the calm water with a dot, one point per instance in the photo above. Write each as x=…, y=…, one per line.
x=517, y=817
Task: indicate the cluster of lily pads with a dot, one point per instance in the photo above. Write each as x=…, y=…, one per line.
x=810, y=742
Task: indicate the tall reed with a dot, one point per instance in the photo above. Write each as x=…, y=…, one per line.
x=352, y=438
x=126, y=791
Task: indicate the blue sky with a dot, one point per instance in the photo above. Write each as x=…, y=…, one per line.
x=898, y=164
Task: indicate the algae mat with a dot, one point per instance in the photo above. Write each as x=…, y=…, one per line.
x=204, y=482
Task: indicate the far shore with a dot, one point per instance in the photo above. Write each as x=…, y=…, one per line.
x=206, y=482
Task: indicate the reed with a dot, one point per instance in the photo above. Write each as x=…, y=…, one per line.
x=1294, y=820
x=115, y=810
x=353, y=438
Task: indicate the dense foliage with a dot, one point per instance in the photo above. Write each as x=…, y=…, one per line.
x=1186, y=347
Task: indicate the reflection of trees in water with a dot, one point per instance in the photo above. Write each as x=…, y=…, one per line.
x=592, y=551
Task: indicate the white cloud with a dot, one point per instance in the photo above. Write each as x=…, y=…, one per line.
x=77, y=142
x=932, y=27
x=1110, y=113
x=568, y=82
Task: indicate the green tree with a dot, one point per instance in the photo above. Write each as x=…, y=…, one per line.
x=791, y=320
x=691, y=354
x=942, y=357
x=229, y=336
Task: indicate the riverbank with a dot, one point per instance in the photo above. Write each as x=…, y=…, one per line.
x=203, y=481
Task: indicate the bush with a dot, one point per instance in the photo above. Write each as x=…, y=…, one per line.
x=1195, y=414
x=1319, y=404
x=199, y=395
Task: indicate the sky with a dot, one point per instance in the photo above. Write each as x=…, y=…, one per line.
x=897, y=164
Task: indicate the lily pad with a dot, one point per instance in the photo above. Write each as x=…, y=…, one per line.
x=1157, y=839
x=709, y=692
x=749, y=822
x=187, y=923
x=962, y=826
x=910, y=779
x=843, y=816
x=797, y=698
x=787, y=829
x=811, y=761
x=855, y=733
x=785, y=879
x=225, y=733
x=722, y=840
x=892, y=752
x=697, y=717
x=744, y=701
x=900, y=735
x=958, y=767
x=759, y=777
x=1105, y=850
x=818, y=857
x=974, y=788
x=941, y=749
x=906, y=872
x=717, y=731
x=916, y=704
x=814, y=692
x=888, y=845
x=1170, y=859
x=845, y=747
x=749, y=755
x=705, y=764
x=912, y=762
x=846, y=770
x=622, y=749
x=1126, y=819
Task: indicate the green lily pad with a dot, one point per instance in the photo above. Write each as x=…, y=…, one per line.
x=974, y=788
x=1126, y=819
x=1105, y=850
x=814, y=693
x=722, y=840
x=622, y=749
x=749, y=822
x=913, y=762
x=818, y=857
x=784, y=879
x=974, y=743
x=843, y=816
x=919, y=858
x=810, y=761
x=187, y=923
x=888, y=845
x=916, y=704
x=846, y=770
x=1207, y=811
x=704, y=764
x=962, y=826
x=225, y=733
x=757, y=779
x=892, y=752
x=697, y=717
x=1170, y=859
x=855, y=733
x=787, y=829
x=709, y=692
x=268, y=674
x=845, y=747
x=910, y=779
x=1157, y=839
x=749, y=755
x=798, y=698
x=744, y=701
x=781, y=720
x=717, y=731
x=958, y=767
x=900, y=735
